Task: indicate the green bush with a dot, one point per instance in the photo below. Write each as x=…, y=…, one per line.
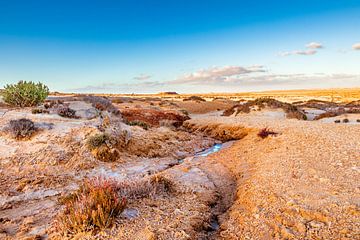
x=25, y=94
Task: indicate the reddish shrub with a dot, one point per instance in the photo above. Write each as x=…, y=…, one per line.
x=265, y=132
x=153, y=117
x=93, y=207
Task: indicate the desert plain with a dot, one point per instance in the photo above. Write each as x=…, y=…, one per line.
x=261, y=165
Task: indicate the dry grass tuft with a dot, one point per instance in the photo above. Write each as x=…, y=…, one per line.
x=93, y=207
x=102, y=146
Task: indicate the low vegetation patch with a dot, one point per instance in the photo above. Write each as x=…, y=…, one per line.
x=22, y=128
x=93, y=207
x=102, y=104
x=141, y=124
x=39, y=111
x=153, y=117
x=194, y=98
x=345, y=120
x=291, y=110
x=97, y=140
x=102, y=146
x=265, y=132
x=98, y=201
x=25, y=94
x=67, y=112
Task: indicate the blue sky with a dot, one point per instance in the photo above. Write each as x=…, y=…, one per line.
x=185, y=46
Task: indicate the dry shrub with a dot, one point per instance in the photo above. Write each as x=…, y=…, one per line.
x=358, y=120
x=102, y=104
x=337, y=121
x=162, y=183
x=102, y=146
x=194, y=98
x=265, y=132
x=22, y=128
x=345, y=120
x=106, y=154
x=97, y=140
x=53, y=104
x=291, y=110
x=153, y=116
x=146, y=187
x=93, y=207
x=39, y=111
x=67, y=112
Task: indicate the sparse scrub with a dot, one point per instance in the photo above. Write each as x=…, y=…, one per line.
x=265, y=132
x=358, y=120
x=102, y=147
x=102, y=104
x=22, y=128
x=345, y=120
x=142, y=124
x=194, y=98
x=53, y=103
x=93, y=207
x=39, y=111
x=260, y=103
x=67, y=112
x=97, y=140
x=25, y=94
x=337, y=121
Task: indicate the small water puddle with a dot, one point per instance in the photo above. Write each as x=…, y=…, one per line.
x=209, y=151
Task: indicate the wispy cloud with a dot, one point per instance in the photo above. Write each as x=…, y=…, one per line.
x=230, y=78
x=298, y=52
x=117, y=87
x=314, y=45
x=356, y=46
x=311, y=51
x=216, y=74
x=142, y=77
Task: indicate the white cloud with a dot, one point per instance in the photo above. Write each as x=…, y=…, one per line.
x=314, y=45
x=356, y=46
x=215, y=73
x=142, y=77
x=298, y=52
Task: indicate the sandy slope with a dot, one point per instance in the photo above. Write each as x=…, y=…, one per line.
x=301, y=184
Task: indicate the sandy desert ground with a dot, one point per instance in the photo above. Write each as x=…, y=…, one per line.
x=193, y=169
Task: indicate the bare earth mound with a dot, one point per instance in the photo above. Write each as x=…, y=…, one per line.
x=302, y=184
